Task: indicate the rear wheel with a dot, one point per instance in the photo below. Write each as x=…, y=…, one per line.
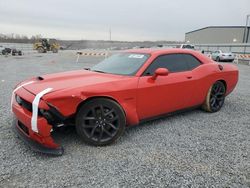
x=218, y=59
x=100, y=122
x=215, y=97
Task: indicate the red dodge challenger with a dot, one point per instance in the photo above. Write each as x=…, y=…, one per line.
x=123, y=90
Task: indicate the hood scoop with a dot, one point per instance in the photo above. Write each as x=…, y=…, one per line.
x=40, y=78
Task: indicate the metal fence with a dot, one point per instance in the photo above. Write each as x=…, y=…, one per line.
x=239, y=48
x=235, y=48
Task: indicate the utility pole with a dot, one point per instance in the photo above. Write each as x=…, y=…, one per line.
x=110, y=33
x=245, y=37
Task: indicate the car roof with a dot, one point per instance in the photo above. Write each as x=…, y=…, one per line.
x=157, y=52
x=153, y=51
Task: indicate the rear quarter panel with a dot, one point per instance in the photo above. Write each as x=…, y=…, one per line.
x=230, y=74
x=207, y=74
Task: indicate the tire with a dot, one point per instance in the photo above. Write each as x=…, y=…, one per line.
x=215, y=97
x=40, y=50
x=54, y=50
x=100, y=122
x=217, y=59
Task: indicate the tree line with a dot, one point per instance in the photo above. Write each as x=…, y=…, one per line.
x=17, y=38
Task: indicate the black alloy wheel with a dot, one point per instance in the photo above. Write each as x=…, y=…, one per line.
x=100, y=122
x=217, y=96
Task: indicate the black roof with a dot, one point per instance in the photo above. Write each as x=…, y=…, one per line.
x=217, y=27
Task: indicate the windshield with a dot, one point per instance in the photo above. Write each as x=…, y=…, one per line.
x=121, y=63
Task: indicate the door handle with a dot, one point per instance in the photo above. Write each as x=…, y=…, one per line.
x=189, y=77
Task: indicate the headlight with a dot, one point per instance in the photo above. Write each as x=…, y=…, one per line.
x=18, y=100
x=47, y=115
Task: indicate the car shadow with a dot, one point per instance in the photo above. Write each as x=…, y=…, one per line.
x=66, y=136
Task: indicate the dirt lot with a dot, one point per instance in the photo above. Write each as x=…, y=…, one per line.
x=191, y=149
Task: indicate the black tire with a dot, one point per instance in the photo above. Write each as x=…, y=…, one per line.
x=41, y=50
x=100, y=122
x=54, y=50
x=218, y=59
x=215, y=97
x=4, y=52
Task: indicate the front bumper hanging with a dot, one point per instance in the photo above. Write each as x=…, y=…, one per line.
x=34, y=130
x=33, y=144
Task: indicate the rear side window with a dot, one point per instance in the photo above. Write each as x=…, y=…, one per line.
x=173, y=62
x=191, y=61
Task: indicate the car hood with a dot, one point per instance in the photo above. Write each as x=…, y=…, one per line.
x=70, y=80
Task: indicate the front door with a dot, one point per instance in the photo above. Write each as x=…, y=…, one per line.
x=167, y=93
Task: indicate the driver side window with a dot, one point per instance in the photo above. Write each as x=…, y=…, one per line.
x=172, y=62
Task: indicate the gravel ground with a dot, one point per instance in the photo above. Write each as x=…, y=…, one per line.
x=192, y=149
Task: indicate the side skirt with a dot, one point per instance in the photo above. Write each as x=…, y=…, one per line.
x=169, y=114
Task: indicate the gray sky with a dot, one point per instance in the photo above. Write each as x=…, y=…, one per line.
x=128, y=19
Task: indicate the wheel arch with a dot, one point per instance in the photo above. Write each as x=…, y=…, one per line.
x=129, y=109
x=99, y=97
x=224, y=82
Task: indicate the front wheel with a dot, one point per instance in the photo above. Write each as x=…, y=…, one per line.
x=40, y=50
x=215, y=97
x=54, y=50
x=100, y=122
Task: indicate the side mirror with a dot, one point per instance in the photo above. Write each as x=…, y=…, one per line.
x=160, y=72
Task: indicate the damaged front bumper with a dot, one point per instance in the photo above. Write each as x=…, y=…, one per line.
x=32, y=143
x=39, y=139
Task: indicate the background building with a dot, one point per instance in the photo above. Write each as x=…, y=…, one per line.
x=218, y=35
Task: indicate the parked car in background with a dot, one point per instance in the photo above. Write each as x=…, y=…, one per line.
x=1, y=49
x=185, y=46
x=6, y=51
x=223, y=56
x=15, y=52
